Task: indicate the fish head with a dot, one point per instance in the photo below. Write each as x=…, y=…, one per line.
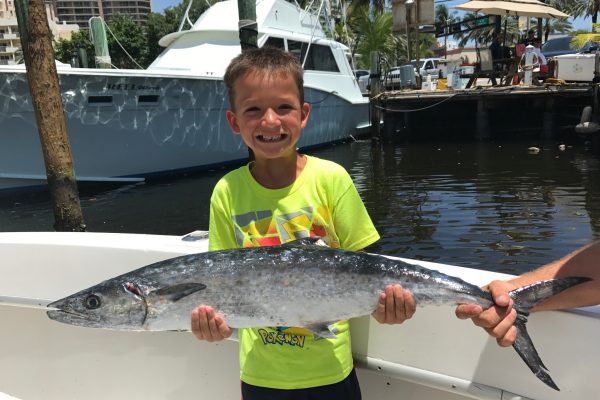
x=113, y=304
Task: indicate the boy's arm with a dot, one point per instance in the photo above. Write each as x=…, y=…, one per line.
x=498, y=320
x=206, y=323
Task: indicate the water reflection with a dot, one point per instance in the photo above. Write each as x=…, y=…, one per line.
x=480, y=204
x=484, y=205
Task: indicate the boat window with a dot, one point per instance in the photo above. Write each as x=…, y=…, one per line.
x=320, y=58
x=148, y=98
x=275, y=42
x=100, y=99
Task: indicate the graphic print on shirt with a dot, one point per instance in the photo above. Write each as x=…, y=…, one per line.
x=283, y=336
x=264, y=228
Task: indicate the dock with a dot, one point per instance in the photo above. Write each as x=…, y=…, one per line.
x=484, y=112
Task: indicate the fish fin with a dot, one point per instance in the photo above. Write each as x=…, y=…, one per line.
x=526, y=350
x=178, y=292
x=307, y=241
x=526, y=298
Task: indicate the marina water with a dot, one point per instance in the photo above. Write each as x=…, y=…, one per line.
x=491, y=205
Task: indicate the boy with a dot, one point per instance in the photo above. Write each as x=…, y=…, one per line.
x=281, y=196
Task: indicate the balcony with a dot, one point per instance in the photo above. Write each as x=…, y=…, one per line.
x=8, y=49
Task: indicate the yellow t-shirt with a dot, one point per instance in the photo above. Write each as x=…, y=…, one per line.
x=321, y=202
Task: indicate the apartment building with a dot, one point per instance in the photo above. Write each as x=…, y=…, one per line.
x=80, y=11
x=10, y=41
x=9, y=33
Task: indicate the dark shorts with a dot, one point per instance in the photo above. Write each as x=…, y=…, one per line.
x=348, y=389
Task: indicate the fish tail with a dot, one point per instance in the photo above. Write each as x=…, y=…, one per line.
x=526, y=298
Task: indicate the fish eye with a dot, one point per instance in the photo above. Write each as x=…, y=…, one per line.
x=92, y=302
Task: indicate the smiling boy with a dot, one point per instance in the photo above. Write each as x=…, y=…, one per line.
x=281, y=196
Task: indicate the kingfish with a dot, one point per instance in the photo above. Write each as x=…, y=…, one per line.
x=298, y=284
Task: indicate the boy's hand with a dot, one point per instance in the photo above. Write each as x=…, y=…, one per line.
x=497, y=320
x=208, y=325
x=396, y=305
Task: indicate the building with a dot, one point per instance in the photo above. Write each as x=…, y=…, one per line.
x=10, y=41
x=79, y=12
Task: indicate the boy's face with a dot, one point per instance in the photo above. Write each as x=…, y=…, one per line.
x=268, y=114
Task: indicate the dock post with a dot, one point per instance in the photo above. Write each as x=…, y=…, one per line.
x=247, y=25
x=98, y=31
x=482, y=122
x=374, y=95
x=44, y=88
x=548, y=119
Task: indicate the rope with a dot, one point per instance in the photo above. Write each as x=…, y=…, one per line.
x=312, y=34
x=323, y=99
x=416, y=109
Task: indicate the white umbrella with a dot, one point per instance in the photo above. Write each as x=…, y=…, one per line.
x=519, y=8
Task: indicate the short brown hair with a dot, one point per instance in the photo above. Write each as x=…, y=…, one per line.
x=269, y=60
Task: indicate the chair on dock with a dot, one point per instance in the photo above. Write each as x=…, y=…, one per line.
x=485, y=69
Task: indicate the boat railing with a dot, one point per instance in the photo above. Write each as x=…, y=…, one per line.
x=186, y=15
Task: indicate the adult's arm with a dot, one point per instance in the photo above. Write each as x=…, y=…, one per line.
x=498, y=320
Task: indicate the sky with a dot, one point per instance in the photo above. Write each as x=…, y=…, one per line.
x=159, y=5
x=578, y=23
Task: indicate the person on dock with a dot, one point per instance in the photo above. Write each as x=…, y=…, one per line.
x=530, y=38
x=537, y=49
x=500, y=54
x=279, y=196
x=499, y=320
x=496, y=47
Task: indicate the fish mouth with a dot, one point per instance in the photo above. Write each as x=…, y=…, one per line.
x=59, y=311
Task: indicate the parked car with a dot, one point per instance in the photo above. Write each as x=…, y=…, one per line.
x=428, y=66
x=361, y=72
x=563, y=45
x=391, y=78
x=364, y=83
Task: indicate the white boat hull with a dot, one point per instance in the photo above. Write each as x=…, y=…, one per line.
x=170, y=118
x=432, y=356
x=169, y=125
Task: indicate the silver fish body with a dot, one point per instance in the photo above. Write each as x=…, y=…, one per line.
x=297, y=284
x=290, y=285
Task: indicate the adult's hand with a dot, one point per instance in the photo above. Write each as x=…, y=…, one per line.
x=499, y=319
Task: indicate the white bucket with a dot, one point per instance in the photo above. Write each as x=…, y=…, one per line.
x=461, y=83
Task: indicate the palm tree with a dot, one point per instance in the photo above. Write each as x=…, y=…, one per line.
x=356, y=5
x=554, y=25
x=579, y=8
x=485, y=34
x=444, y=17
x=373, y=32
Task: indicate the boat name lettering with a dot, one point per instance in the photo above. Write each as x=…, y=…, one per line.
x=130, y=86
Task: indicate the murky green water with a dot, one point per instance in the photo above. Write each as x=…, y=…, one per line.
x=485, y=205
